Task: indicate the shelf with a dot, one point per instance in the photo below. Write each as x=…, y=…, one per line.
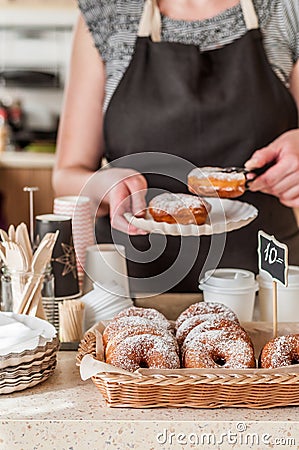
x=17, y=15
x=26, y=160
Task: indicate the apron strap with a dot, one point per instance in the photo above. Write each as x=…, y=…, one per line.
x=150, y=22
x=250, y=16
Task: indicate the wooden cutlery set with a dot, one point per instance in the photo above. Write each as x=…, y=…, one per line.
x=24, y=268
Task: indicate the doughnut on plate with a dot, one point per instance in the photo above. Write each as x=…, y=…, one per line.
x=225, y=215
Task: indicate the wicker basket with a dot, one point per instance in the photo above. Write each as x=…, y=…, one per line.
x=199, y=388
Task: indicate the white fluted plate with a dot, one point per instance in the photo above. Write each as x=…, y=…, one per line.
x=225, y=215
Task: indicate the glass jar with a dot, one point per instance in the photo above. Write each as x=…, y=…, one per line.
x=22, y=292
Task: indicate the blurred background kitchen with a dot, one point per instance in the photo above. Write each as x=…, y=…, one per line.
x=35, y=43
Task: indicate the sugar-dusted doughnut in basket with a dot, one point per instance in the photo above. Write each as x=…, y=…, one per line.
x=280, y=352
x=219, y=348
x=210, y=336
x=206, y=308
x=190, y=323
x=143, y=350
x=179, y=208
x=215, y=322
x=138, y=330
x=132, y=325
x=141, y=337
x=214, y=181
x=147, y=313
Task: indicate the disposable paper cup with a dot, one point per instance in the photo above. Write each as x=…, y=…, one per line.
x=106, y=263
x=79, y=209
x=287, y=297
x=234, y=288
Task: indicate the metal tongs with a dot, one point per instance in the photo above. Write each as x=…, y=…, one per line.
x=257, y=172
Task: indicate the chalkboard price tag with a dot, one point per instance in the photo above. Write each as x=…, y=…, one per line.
x=273, y=257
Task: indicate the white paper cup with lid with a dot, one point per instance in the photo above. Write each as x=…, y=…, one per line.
x=235, y=288
x=106, y=263
x=287, y=297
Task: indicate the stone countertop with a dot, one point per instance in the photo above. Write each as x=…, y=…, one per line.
x=68, y=413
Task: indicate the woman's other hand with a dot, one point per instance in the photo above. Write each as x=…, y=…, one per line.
x=125, y=191
x=282, y=179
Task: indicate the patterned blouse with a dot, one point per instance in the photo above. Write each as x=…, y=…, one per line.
x=114, y=24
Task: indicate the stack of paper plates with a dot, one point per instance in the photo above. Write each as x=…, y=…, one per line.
x=28, y=351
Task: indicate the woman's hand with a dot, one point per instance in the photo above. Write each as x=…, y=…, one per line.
x=125, y=191
x=282, y=179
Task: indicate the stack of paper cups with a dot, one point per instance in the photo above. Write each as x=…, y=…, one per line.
x=106, y=263
x=79, y=209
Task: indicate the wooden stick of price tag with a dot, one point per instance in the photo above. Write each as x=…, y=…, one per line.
x=273, y=259
x=274, y=307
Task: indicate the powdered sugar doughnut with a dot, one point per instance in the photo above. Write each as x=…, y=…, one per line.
x=179, y=208
x=218, y=348
x=145, y=350
x=214, y=181
x=148, y=313
x=206, y=308
x=190, y=323
x=216, y=324
x=132, y=325
x=131, y=331
x=280, y=352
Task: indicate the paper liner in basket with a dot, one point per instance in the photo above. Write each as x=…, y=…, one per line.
x=225, y=215
x=90, y=365
x=93, y=364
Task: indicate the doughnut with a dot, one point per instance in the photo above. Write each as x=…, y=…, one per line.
x=131, y=331
x=219, y=349
x=206, y=308
x=179, y=208
x=131, y=324
x=140, y=337
x=148, y=313
x=144, y=350
x=280, y=352
x=214, y=182
x=128, y=326
x=190, y=323
x=218, y=323
x=199, y=323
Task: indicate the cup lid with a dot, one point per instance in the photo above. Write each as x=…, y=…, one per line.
x=228, y=278
x=52, y=218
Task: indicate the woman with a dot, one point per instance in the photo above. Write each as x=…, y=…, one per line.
x=212, y=82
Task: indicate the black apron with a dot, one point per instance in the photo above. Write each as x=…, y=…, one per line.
x=177, y=107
